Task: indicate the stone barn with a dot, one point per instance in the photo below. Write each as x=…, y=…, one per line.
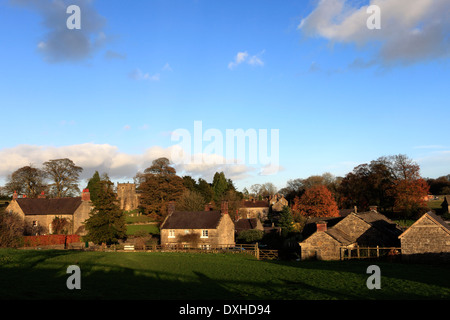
x=202, y=229
x=428, y=239
x=324, y=237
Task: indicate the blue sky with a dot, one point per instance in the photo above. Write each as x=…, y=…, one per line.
x=339, y=94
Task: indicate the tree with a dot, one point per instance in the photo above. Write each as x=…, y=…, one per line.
x=367, y=185
x=27, y=180
x=263, y=190
x=219, y=185
x=206, y=190
x=317, y=201
x=106, y=222
x=64, y=174
x=94, y=184
x=11, y=229
x=159, y=185
x=191, y=201
x=286, y=221
x=410, y=196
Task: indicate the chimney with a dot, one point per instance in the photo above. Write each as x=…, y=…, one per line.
x=321, y=226
x=224, y=207
x=85, y=195
x=170, y=207
x=373, y=208
x=356, y=209
x=42, y=195
x=15, y=195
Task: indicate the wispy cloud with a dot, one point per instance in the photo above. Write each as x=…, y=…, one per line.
x=137, y=74
x=244, y=57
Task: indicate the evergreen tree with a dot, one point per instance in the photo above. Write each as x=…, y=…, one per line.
x=94, y=186
x=286, y=221
x=219, y=185
x=106, y=223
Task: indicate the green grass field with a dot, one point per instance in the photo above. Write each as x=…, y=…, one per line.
x=40, y=274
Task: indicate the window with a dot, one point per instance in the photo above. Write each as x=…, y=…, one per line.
x=35, y=223
x=206, y=246
x=204, y=234
x=171, y=233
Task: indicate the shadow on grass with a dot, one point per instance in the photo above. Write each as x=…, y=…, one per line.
x=391, y=272
x=111, y=276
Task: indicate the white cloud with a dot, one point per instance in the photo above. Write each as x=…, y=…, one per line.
x=119, y=165
x=411, y=30
x=244, y=57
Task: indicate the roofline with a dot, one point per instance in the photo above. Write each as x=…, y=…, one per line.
x=423, y=217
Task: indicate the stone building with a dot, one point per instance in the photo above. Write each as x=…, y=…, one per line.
x=201, y=229
x=324, y=237
x=127, y=196
x=254, y=209
x=248, y=224
x=40, y=212
x=277, y=203
x=427, y=239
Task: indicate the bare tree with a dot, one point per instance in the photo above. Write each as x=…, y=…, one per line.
x=65, y=175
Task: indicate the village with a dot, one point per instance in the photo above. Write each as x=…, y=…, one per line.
x=252, y=225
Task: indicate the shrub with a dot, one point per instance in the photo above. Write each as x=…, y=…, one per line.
x=249, y=236
x=11, y=229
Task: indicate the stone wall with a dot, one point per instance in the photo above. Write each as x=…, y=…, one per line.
x=426, y=240
x=320, y=246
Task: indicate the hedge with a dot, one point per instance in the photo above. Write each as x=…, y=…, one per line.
x=52, y=239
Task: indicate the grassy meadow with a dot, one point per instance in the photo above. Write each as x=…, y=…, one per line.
x=41, y=274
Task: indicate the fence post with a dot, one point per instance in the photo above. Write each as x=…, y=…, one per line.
x=357, y=251
x=378, y=251
x=257, y=251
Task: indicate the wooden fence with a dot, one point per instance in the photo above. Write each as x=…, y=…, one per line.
x=369, y=252
x=252, y=249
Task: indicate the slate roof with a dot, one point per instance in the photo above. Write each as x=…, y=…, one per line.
x=375, y=219
x=54, y=206
x=245, y=224
x=192, y=220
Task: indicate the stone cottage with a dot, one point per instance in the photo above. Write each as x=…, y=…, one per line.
x=277, y=203
x=427, y=239
x=201, y=229
x=40, y=212
x=324, y=242
x=254, y=209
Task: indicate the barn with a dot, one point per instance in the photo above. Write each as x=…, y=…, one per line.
x=427, y=239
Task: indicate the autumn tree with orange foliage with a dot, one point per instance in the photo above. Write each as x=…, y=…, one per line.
x=409, y=188
x=317, y=201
